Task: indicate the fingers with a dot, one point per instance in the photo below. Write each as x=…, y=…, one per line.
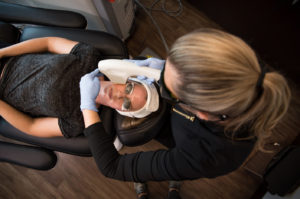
x=141, y=77
x=95, y=73
x=146, y=79
x=130, y=60
x=96, y=82
x=138, y=62
x=143, y=62
x=151, y=62
x=90, y=77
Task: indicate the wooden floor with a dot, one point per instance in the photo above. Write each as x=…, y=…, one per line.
x=77, y=177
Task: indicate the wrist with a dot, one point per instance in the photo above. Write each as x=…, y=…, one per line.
x=88, y=107
x=90, y=117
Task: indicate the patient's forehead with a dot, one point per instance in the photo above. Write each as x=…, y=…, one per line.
x=138, y=97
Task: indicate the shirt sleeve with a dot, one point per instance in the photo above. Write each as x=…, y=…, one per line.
x=158, y=165
x=138, y=167
x=87, y=54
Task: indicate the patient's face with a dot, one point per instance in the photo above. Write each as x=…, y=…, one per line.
x=126, y=97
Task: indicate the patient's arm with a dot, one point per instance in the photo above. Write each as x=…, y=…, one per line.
x=41, y=127
x=45, y=44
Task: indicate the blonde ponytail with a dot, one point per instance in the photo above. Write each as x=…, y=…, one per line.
x=268, y=109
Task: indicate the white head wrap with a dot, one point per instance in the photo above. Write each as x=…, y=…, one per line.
x=152, y=102
x=119, y=71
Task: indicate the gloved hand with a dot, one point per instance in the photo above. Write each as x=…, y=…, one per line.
x=150, y=62
x=146, y=79
x=89, y=89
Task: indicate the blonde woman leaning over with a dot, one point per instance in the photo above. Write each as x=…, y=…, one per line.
x=223, y=103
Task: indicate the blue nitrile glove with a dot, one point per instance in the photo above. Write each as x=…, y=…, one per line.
x=150, y=62
x=89, y=89
x=148, y=80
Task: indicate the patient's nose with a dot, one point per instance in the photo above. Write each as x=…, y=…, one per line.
x=119, y=94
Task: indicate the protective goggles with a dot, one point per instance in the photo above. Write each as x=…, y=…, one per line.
x=172, y=99
x=128, y=90
x=165, y=92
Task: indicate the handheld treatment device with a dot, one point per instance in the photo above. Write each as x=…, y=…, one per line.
x=120, y=71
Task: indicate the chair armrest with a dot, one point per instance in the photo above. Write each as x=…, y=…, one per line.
x=14, y=13
x=28, y=156
x=74, y=146
x=109, y=45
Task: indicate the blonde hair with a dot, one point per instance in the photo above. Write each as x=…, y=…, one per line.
x=218, y=74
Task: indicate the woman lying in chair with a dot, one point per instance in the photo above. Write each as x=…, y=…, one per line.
x=40, y=87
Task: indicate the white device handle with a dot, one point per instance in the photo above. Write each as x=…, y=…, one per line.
x=118, y=70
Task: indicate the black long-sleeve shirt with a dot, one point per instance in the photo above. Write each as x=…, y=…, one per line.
x=201, y=150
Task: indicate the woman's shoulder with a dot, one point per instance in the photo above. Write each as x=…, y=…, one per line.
x=83, y=48
x=191, y=124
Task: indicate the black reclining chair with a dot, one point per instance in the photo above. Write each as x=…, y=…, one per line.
x=39, y=154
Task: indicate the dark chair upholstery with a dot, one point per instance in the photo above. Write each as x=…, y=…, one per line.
x=138, y=131
x=39, y=16
x=28, y=156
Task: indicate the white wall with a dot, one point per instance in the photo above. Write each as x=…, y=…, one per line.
x=84, y=7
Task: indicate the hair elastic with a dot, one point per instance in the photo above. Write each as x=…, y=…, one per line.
x=260, y=80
